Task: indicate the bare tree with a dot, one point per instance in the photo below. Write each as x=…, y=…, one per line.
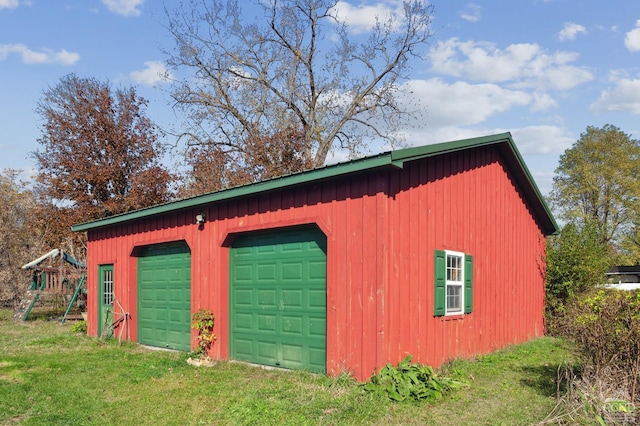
x=295, y=66
x=20, y=235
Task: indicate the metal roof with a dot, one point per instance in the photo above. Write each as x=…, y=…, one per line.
x=397, y=158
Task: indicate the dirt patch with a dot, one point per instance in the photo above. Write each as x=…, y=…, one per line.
x=201, y=362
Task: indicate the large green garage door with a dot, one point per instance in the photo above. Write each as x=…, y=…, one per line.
x=164, y=296
x=278, y=299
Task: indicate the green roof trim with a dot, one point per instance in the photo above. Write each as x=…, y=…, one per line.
x=387, y=159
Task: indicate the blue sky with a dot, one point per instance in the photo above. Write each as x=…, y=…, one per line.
x=543, y=70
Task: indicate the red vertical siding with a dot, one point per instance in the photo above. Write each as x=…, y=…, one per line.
x=382, y=228
x=468, y=203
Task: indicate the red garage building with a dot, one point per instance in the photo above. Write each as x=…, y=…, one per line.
x=435, y=251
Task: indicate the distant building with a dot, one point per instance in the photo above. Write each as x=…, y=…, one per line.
x=624, y=277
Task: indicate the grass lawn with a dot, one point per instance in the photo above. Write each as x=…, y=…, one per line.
x=50, y=376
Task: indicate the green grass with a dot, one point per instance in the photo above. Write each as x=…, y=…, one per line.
x=50, y=376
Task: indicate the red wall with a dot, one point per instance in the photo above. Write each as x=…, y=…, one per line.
x=382, y=229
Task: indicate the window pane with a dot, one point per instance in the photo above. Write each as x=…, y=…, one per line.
x=454, y=298
x=454, y=294
x=454, y=268
x=108, y=287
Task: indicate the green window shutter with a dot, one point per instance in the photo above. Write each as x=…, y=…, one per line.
x=468, y=283
x=440, y=268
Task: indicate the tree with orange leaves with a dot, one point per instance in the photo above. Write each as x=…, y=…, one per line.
x=99, y=155
x=211, y=168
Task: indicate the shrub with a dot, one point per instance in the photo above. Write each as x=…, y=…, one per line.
x=79, y=327
x=577, y=260
x=605, y=326
x=410, y=381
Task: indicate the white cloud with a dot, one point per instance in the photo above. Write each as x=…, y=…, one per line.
x=570, y=31
x=458, y=110
x=521, y=65
x=65, y=57
x=531, y=140
x=154, y=73
x=9, y=4
x=623, y=97
x=337, y=156
x=544, y=180
x=461, y=103
x=363, y=17
x=632, y=39
x=542, y=139
x=471, y=12
x=542, y=102
x=12, y=4
x=46, y=56
x=124, y=7
x=430, y=135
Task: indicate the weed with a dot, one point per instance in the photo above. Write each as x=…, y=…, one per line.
x=79, y=327
x=203, y=321
x=412, y=381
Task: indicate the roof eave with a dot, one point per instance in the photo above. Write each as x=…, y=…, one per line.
x=340, y=169
x=541, y=208
x=393, y=158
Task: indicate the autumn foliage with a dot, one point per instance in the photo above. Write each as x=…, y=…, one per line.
x=99, y=154
x=213, y=167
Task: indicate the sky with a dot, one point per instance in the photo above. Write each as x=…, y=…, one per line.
x=543, y=70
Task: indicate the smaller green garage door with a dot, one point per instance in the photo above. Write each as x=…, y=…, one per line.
x=278, y=299
x=164, y=296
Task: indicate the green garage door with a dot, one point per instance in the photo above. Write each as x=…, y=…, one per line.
x=164, y=296
x=279, y=299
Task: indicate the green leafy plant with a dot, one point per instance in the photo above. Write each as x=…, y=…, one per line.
x=410, y=381
x=79, y=327
x=203, y=321
x=577, y=260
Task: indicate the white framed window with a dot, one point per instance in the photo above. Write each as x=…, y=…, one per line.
x=453, y=283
